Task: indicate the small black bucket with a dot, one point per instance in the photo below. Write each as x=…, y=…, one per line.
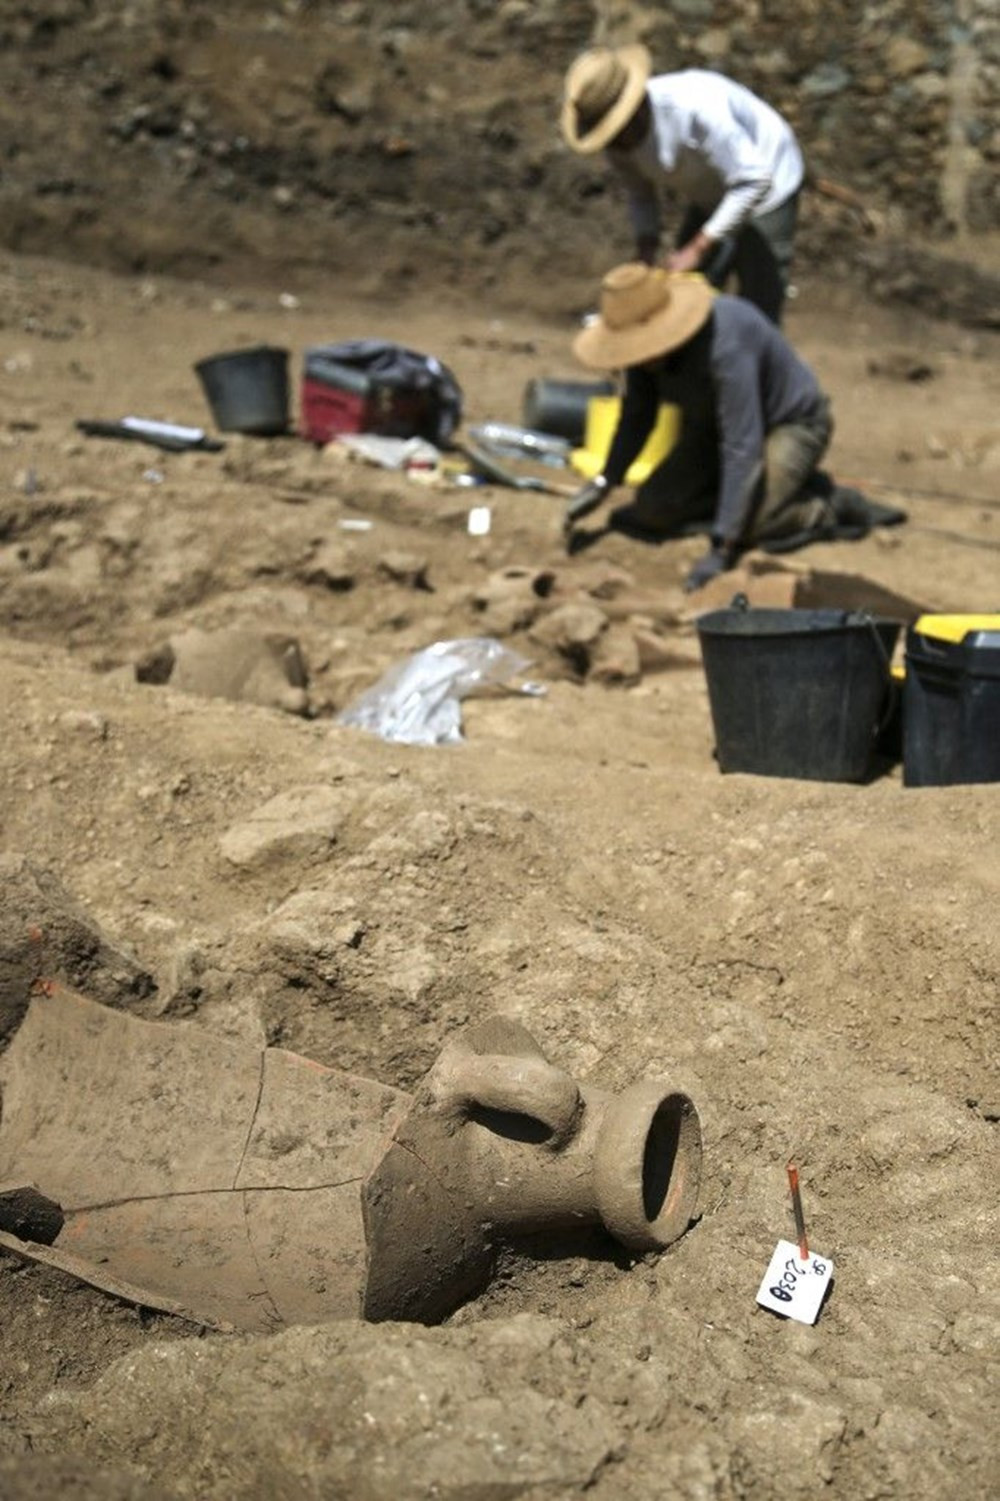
x=798, y=693
x=559, y=407
x=247, y=390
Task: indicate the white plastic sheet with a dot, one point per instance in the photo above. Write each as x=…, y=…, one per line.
x=418, y=701
x=389, y=453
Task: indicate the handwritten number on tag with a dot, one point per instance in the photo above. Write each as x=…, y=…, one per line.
x=794, y=1270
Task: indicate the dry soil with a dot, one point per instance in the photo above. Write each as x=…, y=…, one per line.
x=815, y=962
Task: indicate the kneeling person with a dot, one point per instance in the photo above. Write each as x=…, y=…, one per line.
x=754, y=422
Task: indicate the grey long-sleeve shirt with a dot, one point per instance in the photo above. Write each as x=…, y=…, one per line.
x=716, y=146
x=735, y=381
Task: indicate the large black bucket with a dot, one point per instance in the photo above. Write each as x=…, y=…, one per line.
x=247, y=390
x=559, y=407
x=798, y=693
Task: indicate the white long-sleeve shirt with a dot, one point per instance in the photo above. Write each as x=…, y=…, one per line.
x=716, y=146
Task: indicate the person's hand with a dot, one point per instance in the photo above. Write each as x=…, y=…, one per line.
x=586, y=499
x=715, y=561
x=685, y=259
x=690, y=256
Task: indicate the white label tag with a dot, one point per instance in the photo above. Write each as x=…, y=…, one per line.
x=794, y=1287
x=479, y=521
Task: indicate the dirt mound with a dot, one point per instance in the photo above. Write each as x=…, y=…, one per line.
x=175, y=137
x=815, y=963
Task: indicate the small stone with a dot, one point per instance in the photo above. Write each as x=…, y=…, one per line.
x=604, y=580
x=27, y=481
x=616, y=657
x=332, y=567
x=898, y=364
x=904, y=56
x=929, y=85
x=827, y=79
x=714, y=44
x=571, y=626
x=660, y=653
x=302, y=823
x=84, y=722
x=694, y=10
x=404, y=568
x=350, y=934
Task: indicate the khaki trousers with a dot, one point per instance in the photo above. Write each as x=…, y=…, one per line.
x=790, y=496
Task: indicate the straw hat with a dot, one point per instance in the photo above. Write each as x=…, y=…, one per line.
x=645, y=312
x=604, y=88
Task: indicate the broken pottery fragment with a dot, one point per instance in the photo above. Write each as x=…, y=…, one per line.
x=248, y=1188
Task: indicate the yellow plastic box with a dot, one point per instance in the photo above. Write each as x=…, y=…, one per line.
x=955, y=627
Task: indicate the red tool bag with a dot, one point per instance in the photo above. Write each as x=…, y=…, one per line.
x=373, y=386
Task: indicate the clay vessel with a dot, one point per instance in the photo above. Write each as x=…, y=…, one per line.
x=501, y=1144
x=251, y=1188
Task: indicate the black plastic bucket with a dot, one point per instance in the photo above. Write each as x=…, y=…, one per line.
x=559, y=407
x=798, y=693
x=247, y=390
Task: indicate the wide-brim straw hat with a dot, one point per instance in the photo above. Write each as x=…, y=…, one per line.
x=645, y=312
x=604, y=88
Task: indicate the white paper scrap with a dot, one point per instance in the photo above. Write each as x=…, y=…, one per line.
x=479, y=521
x=387, y=452
x=794, y=1287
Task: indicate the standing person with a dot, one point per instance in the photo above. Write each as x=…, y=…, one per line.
x=754, y=423
x=730, y=159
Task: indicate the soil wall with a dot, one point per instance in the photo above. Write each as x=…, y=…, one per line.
x=404, y=140
x=898, y=100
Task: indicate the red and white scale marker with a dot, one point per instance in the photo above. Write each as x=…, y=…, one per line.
x=796, y=1279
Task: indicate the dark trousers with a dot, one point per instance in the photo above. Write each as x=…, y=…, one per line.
x=758, y=255
x=786, y=494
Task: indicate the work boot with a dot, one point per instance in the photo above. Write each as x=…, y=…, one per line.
x=852, y=509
